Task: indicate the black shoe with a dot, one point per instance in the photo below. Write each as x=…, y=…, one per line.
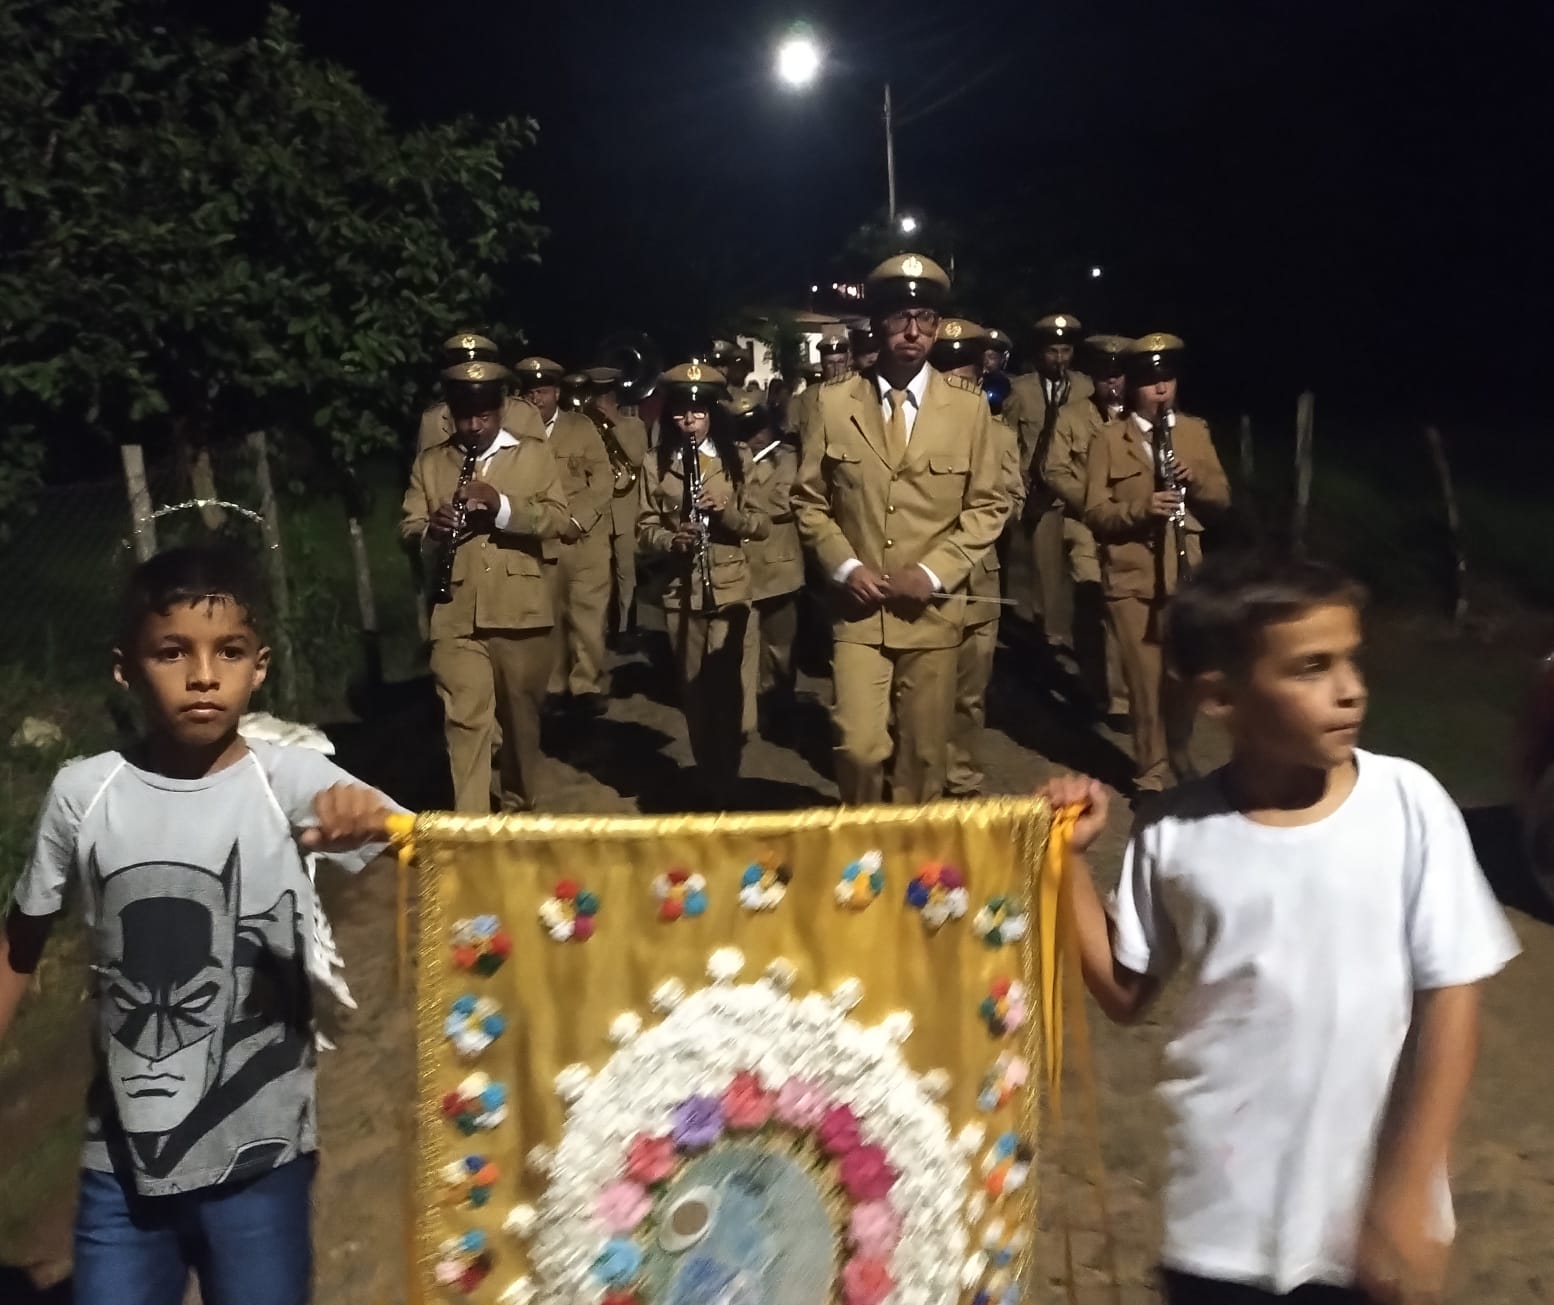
x=555, y=704
x=591, y=705
x=627, y=641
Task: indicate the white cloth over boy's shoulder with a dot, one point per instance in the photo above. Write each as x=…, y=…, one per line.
x=1300, y=950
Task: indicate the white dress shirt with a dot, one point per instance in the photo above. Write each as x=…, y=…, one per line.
x=915, y=389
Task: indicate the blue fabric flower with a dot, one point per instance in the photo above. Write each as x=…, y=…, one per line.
x=696, y=903
x=618, y=1263
x=851, y=872
x=751, y=876
x=452, y=1026
x=1004, y=1147
x=493, y=1025
x=465, y=1005
x=494, y=1097
x=877, y=882
x=917, y=895
x=485, y=925
x=474, y=1163
x=473, y=1242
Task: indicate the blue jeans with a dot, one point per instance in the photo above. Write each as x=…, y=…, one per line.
x=248, y=1243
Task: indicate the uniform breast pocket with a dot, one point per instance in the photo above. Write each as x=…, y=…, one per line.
x=843, y=466
x=946, y=478
x=522, y=563
x=1130, y=482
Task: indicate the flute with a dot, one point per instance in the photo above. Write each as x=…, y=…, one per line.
x=443, y=593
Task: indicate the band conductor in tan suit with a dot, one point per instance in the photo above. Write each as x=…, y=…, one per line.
x=898, y=499
x=490, y=628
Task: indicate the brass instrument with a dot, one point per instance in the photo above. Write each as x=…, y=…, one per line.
x=701, y=555
x=620, y=465
x=1167, y=479
x=637, y=359
x=443, y=593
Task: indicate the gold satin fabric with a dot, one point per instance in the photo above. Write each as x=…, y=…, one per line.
x=560, y=998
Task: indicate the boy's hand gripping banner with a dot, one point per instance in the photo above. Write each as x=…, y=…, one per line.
x=782, y=1059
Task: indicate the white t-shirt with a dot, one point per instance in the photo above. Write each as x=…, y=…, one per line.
x=1301, y=950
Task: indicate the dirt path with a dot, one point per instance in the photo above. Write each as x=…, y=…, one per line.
x=1505, y=1169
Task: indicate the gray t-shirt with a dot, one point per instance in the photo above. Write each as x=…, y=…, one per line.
x=199, y=911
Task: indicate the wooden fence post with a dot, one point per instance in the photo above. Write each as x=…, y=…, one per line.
x=143, y=524
x=280, y=588
x=366, y=602
x=1459, y=609
x=1303, y=435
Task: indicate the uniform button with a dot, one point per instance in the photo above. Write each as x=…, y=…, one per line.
x=890, y=507
x=890, y=543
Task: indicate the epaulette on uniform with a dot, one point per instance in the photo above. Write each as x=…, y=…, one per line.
x=961, y=383
x=840, y=380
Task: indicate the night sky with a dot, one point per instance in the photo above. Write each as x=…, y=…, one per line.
x=1334, y=194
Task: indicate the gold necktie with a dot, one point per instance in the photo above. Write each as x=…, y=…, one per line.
x=896, y=428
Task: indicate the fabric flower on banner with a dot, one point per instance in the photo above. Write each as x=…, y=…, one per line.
x=622, y=1206
x=838, y=1132
x=1000, y=921
x=475, y=1105
x=521, y=1291
x=800, y=1104
x=866, y=1174
x=520, y=1221
x=470, y=1180
x=866, y=1281
x=939, y=892
x=618, y=1263
x=696, y=1123
x=1007, y=1165
x=569, y=913
x=874, y=1231
x=650, y=1160
x=480, y=945
x=473, y=1024
x=463, y=1262
x=862, y=881
x=1008, y=1074
x=1003, y=1009
x=619, y=1296
x=746, y=1104
x=1001, y=1245
x=764, y=883
x=680, y=894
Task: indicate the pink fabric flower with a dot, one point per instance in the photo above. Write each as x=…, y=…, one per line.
x=865, y=1281
x=866, y=1173
x=838, y=1131
x=650, y=1160
x=874, y=1230
x=746, y=1104
x=622, y=1206
x=800, y=1104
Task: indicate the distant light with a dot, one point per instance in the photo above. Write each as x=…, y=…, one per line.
x=908, y=225
x=798, y=61
x=1095, y=274
x=814, y=289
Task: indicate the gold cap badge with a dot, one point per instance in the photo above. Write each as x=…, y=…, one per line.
x=912, y=266
x=693, y=372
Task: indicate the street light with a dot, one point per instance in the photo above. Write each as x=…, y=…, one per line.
x=908, y=225
x=798, y=61
x=1095, y=274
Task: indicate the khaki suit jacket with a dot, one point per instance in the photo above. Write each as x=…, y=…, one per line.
x=633, y=438
x=1137, y=555
x=586, y=477
x=1063, y=469
x=498, y=577
x=942, y=506
x=660, y=508
x=519, y=418
x=776, y=562
x=985, y=582
x=1026, y=410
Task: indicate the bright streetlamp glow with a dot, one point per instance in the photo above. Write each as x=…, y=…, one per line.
x=1095, y=274
x=798, y=61
x=908, y=225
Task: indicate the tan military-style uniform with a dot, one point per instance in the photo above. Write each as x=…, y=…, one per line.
x=979, y=639
x=1139, y=572
x=1064, y=471
x=518, y=418
x=706, y=631
x=633, y=438
x=938, y=503
x=1050, y=591
x=491, y=649
x=776, y=576
x=583, y=577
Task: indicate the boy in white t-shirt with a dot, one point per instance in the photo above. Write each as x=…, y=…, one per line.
x=1324, y=908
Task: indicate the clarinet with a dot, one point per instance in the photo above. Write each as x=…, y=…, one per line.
x=700, y=517
x=444, y=591
x=1166, y=478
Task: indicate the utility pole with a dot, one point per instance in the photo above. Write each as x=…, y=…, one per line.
x=890, y=158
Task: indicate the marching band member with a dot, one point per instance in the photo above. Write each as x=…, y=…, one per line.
x=776, y=564
x=958, y=354
x=437, y=422
x=1147, y=529
x=491, y=640
x=694, y=508
x=631, y=439
x=1032, y=409
x=583, y=575
x=898, y=498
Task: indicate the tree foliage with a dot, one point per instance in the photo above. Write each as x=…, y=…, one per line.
x=220, y=236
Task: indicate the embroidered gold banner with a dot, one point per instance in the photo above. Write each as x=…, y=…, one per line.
x=723, y=1060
